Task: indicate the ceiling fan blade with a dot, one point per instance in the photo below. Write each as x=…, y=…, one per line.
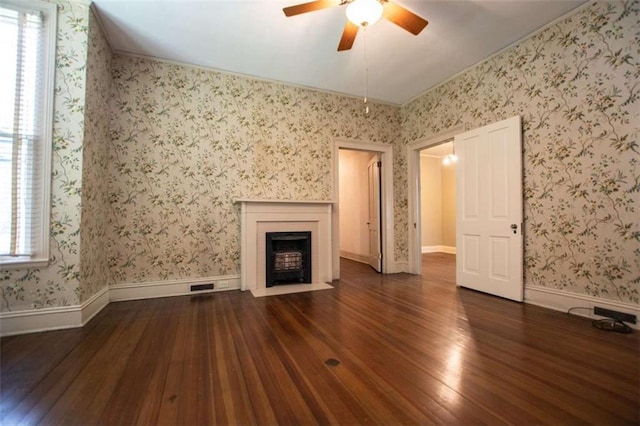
x=348, y=36
x=403, y=18
x=310, y=7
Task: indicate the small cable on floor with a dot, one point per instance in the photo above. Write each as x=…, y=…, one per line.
x=606, y=324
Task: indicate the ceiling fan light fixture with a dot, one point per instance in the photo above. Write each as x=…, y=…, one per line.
x=364, y=13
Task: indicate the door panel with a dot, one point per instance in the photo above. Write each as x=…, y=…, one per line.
x=489, y=218
x=471, y=204
x=470, y=259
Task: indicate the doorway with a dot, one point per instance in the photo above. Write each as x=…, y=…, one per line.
x=415, y=197
x=489, y=237
x=384, y=153
x=359, y=205
x=438, y=199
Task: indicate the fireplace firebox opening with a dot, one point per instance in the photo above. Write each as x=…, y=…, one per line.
x=288, y=258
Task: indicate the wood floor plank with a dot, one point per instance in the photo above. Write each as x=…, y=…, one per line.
x=168, y=325
x=231, y=386
x=409, y=349
x=284, y=398
x=168, y=410
x=82, y=399
x=144, y=372
x=358, y=374
x=51, y=389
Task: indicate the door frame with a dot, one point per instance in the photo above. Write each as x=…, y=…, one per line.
x=414, y=199
x=374, y=189
x=386, y=201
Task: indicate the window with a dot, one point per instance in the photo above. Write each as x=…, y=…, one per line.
x=27, y=52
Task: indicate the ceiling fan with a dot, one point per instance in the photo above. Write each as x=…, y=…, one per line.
x=362, y=13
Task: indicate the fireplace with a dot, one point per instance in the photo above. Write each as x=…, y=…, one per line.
x=288, y=258
x=260, y=217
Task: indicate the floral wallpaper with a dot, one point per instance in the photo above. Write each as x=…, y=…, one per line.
x=58, y=284
x=78, y=266
x=95, y=201
x=186, y=142
x=575, y=85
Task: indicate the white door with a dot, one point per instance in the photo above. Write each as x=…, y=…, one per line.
x=375, y=252
x=489, y=209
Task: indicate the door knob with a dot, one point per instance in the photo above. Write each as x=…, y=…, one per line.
x=515, y=228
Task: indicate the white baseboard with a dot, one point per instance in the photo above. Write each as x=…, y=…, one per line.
x=35, y=320
x=58, y=318
x=92, y=306
x=120, y=292
x=439, y=249
x=563, y=301
x=354, y=256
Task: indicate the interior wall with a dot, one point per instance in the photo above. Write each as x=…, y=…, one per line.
x=94, y=262
x=354, y=204
x=448, y=203
x=187, y=142
x=574, y=85
x=431, y=201
x=438, y=204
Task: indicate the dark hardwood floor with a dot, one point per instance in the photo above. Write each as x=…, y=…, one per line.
x=410, y=350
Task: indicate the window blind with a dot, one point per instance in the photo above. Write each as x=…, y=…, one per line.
x=23, y=52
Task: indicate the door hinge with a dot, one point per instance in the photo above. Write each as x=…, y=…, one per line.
x=379, y=256
x=379, y=164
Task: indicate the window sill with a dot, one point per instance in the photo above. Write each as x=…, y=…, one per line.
x=7, y=264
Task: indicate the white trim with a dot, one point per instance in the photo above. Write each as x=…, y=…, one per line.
x=257, y=218
x=388, y=218
x=362, y=258
x=93, y=305
x=35, y=320
x=42, y=249
x=563, y=301
x=62, y=317
x=438, y=249
x=150, y=290
x=11, y=264
x=289, y=289
x=81, y=2
x=280, y=202
x=413, y=158
x=47, y=319
x=58, y=318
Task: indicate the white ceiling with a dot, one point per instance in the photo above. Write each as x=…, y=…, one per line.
x=253, y=37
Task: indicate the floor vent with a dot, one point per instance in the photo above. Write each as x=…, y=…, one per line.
x=200, y=287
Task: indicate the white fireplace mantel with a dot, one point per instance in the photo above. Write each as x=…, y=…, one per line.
x=258, y=217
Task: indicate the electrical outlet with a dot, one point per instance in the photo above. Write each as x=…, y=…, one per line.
x=620, y=316
x=223, y=284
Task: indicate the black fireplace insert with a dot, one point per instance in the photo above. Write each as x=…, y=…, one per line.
x=288, y=258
